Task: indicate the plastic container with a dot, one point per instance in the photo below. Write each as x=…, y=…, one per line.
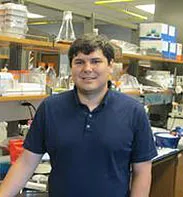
x=3, y=131
x=9, y=17
x=13, y=20
x=6, y=81
x=166, y=140
x=15, y=24
x=14, y=29
x=15, y=9
x=15, y=148
x=16, y=13
x=2, y=9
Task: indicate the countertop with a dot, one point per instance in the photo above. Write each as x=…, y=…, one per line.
x=29, y=193
x=164, y=153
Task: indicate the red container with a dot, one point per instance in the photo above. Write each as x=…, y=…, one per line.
x=15, y=148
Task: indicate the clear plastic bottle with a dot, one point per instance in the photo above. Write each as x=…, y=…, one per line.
x=41, y=67
x=38, y=75
x=51, y=75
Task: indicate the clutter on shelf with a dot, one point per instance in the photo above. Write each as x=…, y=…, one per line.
x=126, y=47
x=16, y=82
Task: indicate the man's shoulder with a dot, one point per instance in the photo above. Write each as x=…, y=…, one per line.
x=125, y=103
x=122, y=98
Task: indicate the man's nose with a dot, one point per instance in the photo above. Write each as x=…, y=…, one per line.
x=87, y=66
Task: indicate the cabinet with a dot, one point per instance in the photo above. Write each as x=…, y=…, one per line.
x=163, y=177
x=167, y=177
x=179, y=177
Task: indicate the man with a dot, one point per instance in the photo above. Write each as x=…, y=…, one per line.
x=93, y=135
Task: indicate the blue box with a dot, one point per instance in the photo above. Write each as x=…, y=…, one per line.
x=172, y=33
x=172, y=50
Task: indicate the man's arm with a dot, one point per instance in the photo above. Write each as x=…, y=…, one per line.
x=19, y=173
x=141, y=179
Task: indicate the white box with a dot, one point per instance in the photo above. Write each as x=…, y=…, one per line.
x=160, y=47
x=154, y=31
x=172, y=33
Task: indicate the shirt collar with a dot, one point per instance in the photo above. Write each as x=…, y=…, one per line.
x=104, y=101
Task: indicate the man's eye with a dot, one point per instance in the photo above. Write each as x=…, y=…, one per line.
x=96, y=61
x=78, y=63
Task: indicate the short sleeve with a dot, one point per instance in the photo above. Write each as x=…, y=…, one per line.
x=35, y=139
x=143, y=148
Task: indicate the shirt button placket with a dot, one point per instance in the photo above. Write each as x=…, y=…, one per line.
x=88, y=126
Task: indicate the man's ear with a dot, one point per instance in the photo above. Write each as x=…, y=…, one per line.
x=111, y=65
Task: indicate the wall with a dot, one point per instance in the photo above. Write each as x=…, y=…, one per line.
x=170, y=12
x=53, y=29
x=115, y=32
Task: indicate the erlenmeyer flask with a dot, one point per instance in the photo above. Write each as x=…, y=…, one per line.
x=66, y=32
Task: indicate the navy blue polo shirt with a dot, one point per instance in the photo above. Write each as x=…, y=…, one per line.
x=91, y=152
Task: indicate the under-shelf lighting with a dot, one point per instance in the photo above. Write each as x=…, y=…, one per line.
x=110, y=1
x=33, y=15
x=126, y=11
x=147, y=8
x=134, y=14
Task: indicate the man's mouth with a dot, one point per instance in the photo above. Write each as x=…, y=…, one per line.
x=88, y=78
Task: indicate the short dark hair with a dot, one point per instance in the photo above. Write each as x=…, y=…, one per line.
x=89, y=43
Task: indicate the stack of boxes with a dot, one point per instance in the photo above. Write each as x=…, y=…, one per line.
x=13, y=19
x=160, y=39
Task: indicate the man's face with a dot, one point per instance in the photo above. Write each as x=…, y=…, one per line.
x=90, y=72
